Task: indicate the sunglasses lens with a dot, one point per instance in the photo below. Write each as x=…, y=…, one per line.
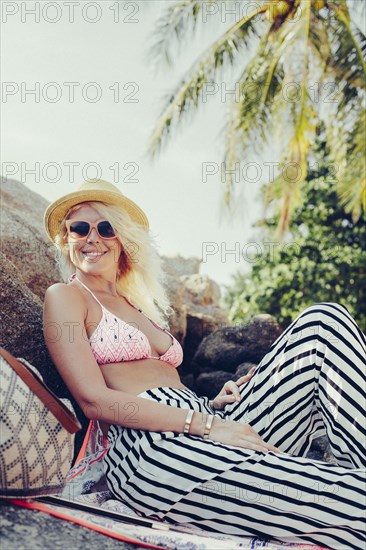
x=79, y=229
x=106, y=230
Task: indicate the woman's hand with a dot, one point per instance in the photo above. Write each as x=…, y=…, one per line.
x=237, y=434
x=230, y=391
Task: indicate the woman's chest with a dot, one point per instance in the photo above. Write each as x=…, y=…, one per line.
x=127, y=327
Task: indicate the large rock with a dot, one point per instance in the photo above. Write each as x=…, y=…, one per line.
x=195, y=299
x=243, y=369
x=320, y=450
x=201, y=291
x=178, y=266
x=21, y=319
x=210, y=383
x=178, y=319
x=23, y=239
x=22, y=332
x=205, y=315
x=228, y=347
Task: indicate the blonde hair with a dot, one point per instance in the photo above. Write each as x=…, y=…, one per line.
x=140, y=277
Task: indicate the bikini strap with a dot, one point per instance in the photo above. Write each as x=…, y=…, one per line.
x=147, y=317
x=86, y=288
x=73, y=276
x=133, y=305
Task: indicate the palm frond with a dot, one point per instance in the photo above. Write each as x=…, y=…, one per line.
x=189, y=91
x=348, y=50
x=350, y=162
x=319, y=41
x=360, y=38
x=265, y=75
x=232, y=157
x=259, y=111
x=293, y=166
x=357, y=10
x=346, y=135
x=178, y=19
x=250, y=119
x=324, y=43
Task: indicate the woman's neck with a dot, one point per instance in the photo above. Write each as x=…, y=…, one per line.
x=98, y=283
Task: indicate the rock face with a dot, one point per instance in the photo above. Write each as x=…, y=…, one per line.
x=231, y=351
x=210, y=383
x=228, y=347
x=243, y=368
x=177, y=266
x=22, y=333
x=213, y=350
x=320, y=450
x=23, y=240
x=196, y=301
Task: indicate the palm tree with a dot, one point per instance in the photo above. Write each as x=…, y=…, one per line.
x=308, y=66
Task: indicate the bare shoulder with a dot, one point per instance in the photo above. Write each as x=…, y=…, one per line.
x=63, y=296
x=62, y=289
x=67, y=342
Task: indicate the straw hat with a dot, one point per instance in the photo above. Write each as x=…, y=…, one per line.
x=98, y=190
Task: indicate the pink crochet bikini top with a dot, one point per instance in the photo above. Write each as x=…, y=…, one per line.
x=114, y=340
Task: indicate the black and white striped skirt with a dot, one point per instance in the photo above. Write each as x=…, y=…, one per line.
x=311, y=383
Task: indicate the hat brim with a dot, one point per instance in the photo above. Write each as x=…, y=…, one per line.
x=57, y=211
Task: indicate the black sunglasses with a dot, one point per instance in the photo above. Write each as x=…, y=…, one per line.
x=80, y=229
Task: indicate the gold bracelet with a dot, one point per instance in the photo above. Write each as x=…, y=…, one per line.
x=209, y=421
x=188, y=422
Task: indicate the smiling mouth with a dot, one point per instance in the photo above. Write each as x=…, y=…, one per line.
x=92, y=256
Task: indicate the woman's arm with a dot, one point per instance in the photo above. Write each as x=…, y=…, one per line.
x=67, y=341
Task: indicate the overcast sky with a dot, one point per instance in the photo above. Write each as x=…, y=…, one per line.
x=108, y=59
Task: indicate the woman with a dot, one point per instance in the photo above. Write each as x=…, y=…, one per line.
x=235, y=465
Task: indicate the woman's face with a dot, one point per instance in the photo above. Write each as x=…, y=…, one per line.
x=93, y=255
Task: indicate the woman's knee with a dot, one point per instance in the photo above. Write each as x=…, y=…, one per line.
x=328, y=308
x=327, y=315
